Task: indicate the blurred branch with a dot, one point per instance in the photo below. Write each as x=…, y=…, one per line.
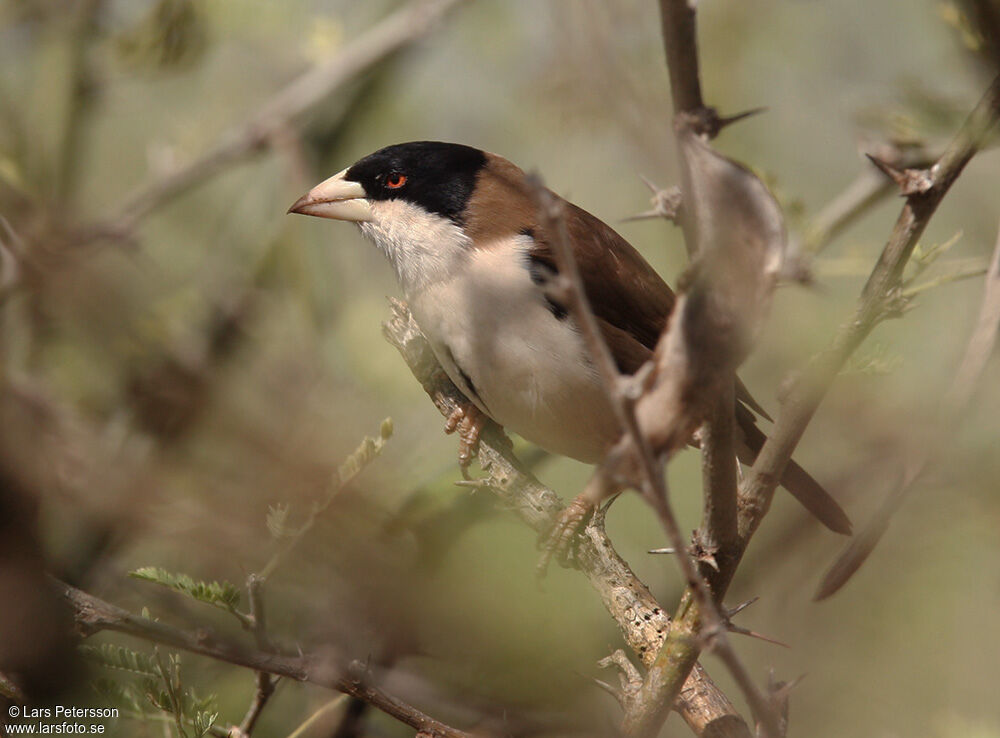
x=958, y=275
x=640, y=618
x=265, y=683
x=93, y=615
x=735, y=231
x=364, y=454
x=11, y=252
x=986, y=20
x=865, y=191
x=652, y=702
x=680, y=42
x=977, y=353
x=698, y=617
x=82, y=23
x=803, y=398
x=402, y=27
x=868, y=189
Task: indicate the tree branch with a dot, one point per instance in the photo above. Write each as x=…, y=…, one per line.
x=389, y=35
x=802, y=400
x=642, y=621
x=929, y=448
x=93, y=615
x=864, y=192
x=680, y=42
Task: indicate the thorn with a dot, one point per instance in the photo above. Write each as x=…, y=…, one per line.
x=649, y=183
x=909, y=181
x=728, y=613
x=709, y=558
x=887, y=169
x=607, y=505
x=729, y=120
x=740, y=607
x=666, y=203
x=662, y=551
x=613, y=691
x=778, y=693
x=706, y=121
x=780, y=690
x=740, y=630
x=481, y=483
x=644, y=215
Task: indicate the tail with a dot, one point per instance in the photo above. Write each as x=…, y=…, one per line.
x=797, y=480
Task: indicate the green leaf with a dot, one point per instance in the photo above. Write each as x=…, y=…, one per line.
x=112, y=656
x=221, y=594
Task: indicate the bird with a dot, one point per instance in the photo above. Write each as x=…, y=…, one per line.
x=461, y=229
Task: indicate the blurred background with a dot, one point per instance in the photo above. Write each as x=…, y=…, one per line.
x=180, y=371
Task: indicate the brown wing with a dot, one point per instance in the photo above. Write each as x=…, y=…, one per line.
x=632, y=303
x=624, y=291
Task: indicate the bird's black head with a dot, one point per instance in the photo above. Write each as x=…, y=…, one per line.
x=439, y=177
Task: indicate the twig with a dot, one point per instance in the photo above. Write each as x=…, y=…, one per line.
x=331, y=707
x=402, y=27
x=642, y=621
x=719, y=533
x=93, y=615
x=678, y=21
x=265, y=685
x=10, y=256
x=864, y=192
x=957, y=275
x=653, y=701
x=970, y=370
x=698, y=612
x=869, y=188
x=803, y=398
x=368, y=450
x=77, y=79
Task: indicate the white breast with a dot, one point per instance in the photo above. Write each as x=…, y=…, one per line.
x=490, y=327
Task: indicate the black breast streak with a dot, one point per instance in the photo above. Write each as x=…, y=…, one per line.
x=542, y=272
x=470, y=385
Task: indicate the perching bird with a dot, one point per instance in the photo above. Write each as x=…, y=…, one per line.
x=461, y=229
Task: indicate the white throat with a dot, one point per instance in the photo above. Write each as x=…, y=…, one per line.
x=424, y=248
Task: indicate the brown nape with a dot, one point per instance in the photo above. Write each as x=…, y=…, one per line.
x=500, y=206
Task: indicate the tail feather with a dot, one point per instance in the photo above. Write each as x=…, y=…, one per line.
x=797, y=480
x=815, y=499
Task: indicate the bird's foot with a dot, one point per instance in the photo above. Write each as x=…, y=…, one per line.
x=558, y=542
x=468, y=421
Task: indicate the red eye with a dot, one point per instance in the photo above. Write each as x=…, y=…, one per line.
x=395, y=181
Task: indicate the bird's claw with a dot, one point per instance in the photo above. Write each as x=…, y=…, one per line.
x=469, y=422
x=558, y=542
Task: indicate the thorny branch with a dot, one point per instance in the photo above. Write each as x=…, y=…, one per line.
x=640, y=618
x=977, y=352
x=865, y=191
x=93, y=615
x=265, y=683
x=805, y=395
x=678, y=654
x=698, y=615
x=404, y=26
